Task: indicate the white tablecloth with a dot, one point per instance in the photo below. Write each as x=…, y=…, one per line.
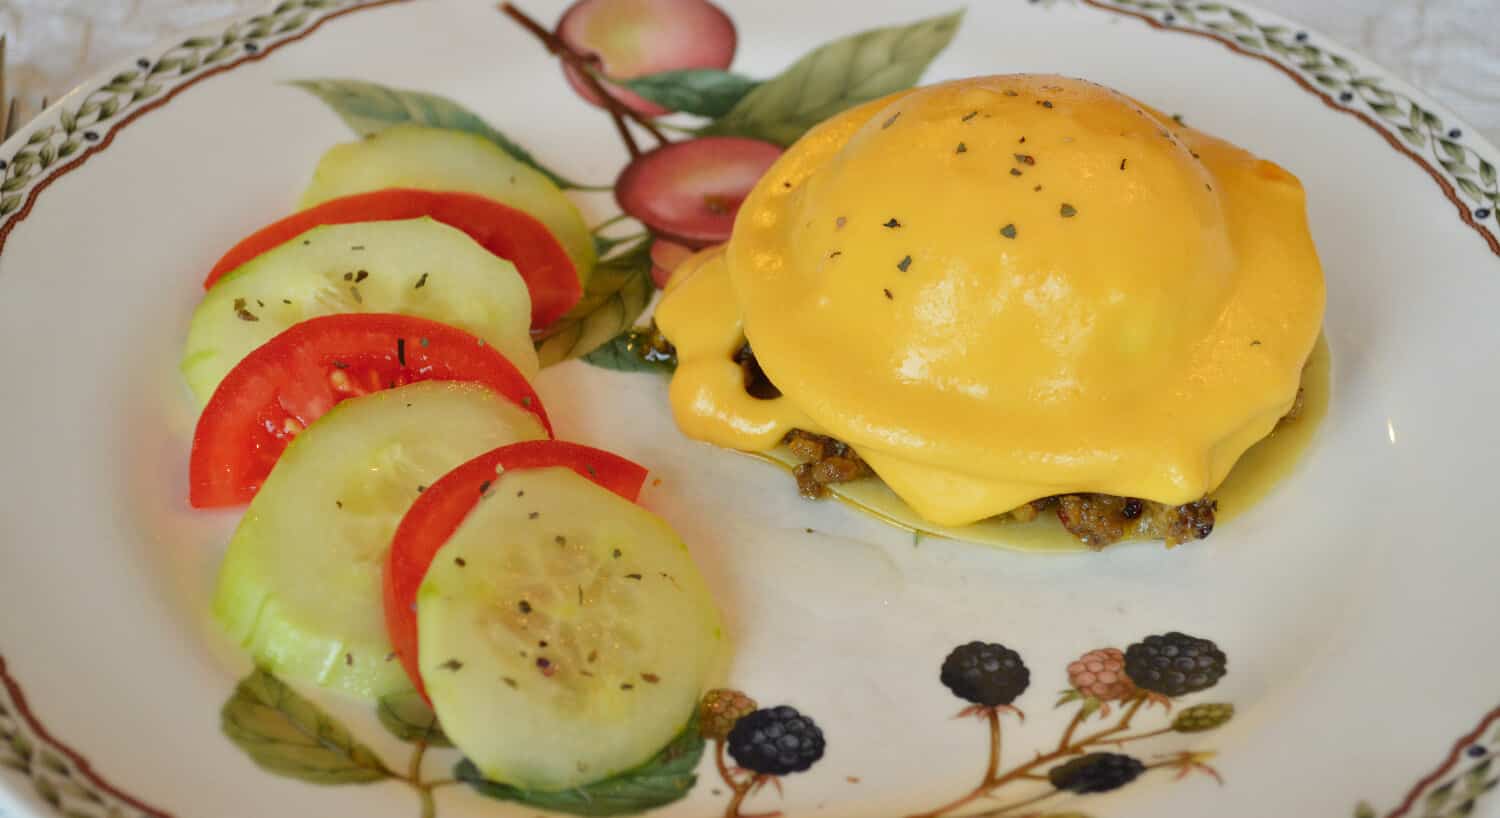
x=1451, y=48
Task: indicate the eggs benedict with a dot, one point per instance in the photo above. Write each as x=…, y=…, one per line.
x=1001, y=296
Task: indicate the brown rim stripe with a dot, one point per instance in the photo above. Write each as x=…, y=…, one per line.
x=12, y=687
x=1464, y=211
x=109, y=135
x=1453, y=756
x=80, y=763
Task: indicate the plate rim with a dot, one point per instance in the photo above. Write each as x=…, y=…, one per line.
x=17, y=200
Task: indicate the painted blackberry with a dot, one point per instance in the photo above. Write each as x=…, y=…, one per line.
x=1101, y=674
x=776, y=741
x=1095, y=772
x=720, y=709
x=985, y=673
x=1175, y=664
x=1202, y=717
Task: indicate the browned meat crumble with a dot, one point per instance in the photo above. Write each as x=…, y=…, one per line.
x=825, y=461
x=1097, y=520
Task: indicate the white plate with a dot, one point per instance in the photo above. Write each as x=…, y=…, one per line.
x=1354, y=604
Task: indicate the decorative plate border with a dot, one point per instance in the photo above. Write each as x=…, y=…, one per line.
x=86, y=123
x=1467, y=177
x=60, y=775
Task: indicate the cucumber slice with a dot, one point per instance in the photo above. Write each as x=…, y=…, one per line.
x=300, y=586
x=440, y=159
x=565, y=634
x=361, y=267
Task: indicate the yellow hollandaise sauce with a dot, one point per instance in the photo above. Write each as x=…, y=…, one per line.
x=711, y=404
x=1007, y=288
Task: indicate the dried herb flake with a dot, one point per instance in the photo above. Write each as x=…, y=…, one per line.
x=1008, y=231
x=904, y=264
x=1067, y=211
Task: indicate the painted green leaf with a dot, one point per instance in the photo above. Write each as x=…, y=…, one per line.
x=1364, y=810
x=622, y=354
x=1385, y=110
x=1210, y=7
x=368, y=108
x=1470, y=189
x=1474, y=779
x=1413, y=135
x=1454, y=150
x=1341, y=62
x=197, y=42
x=1431, y=120
x=217, y=54
x=837, y=76
x=1272, y=31
x=618, y=291
x=9, y=203
x=1438, y=798
x=1248, y=41
x=1240, y=17
x=296, y=22
x=164, y=65
x=288, y=735
x=701, y=91
x=1456, y=168
x=604, y=244
x=408, y=717
x=1487, y=173
x=667, y=777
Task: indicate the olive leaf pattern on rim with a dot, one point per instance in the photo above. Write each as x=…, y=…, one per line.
x=58, y=776
x=1358, y=88
x=84, y=123
x=1456, y=787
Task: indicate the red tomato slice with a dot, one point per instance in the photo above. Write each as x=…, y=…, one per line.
x=440, y=509
x=289, y=382
x=511, y=234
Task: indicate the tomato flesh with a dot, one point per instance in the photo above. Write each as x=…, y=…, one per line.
x=290, y=381
x=440, y=509
x=511, y=234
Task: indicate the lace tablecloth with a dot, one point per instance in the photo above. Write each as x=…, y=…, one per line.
x=1451, y=48
x=1448, y=47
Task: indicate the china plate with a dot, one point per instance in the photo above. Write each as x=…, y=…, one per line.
x=1354, y=604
